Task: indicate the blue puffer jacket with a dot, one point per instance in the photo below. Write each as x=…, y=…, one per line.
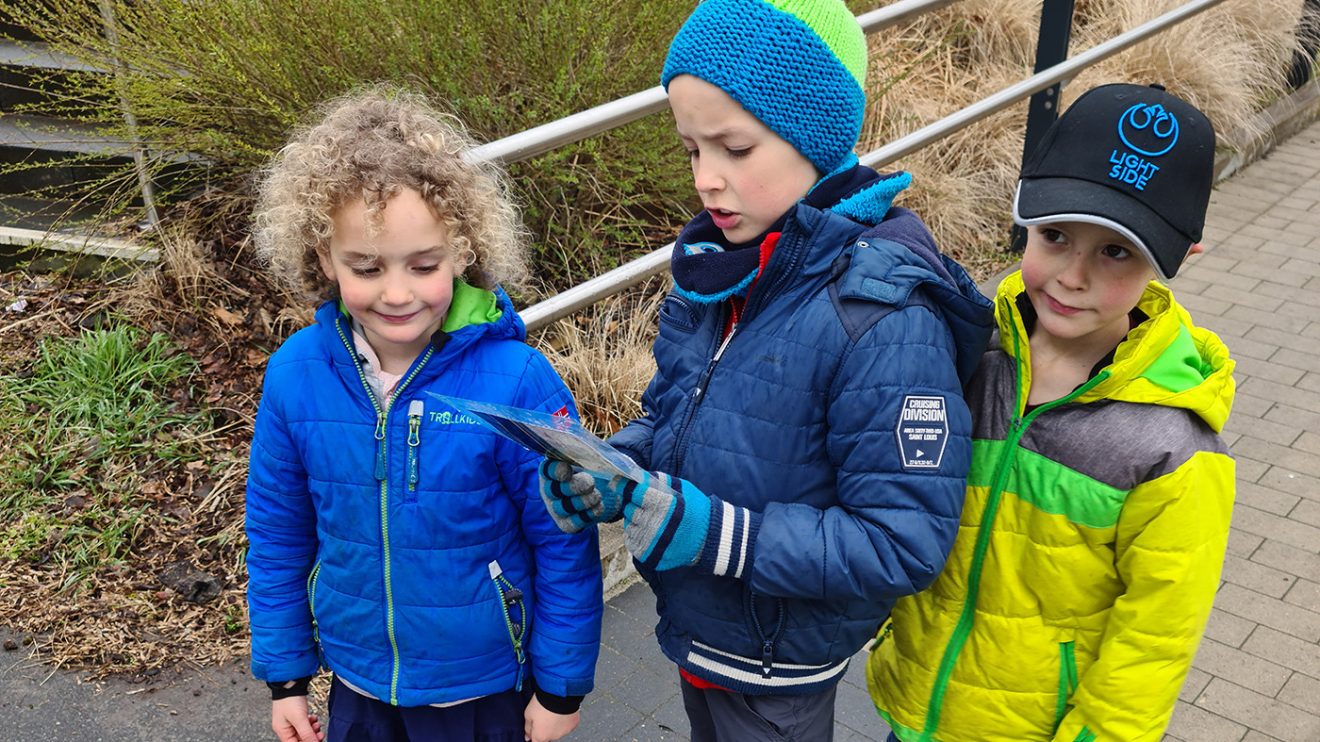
x=407, y=543
x=835, y=410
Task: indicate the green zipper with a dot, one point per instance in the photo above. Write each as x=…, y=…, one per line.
x=380, y=434
x=963, y=629
x=1067, y=681
x=510, y=596
x=878, y=639
x=415, y=410
x=311, y=605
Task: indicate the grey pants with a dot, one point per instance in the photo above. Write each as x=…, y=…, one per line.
x=725, y=716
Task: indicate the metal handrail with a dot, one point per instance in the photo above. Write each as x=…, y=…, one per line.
x=546, y=137
x=540, y=139
x=635, y=271
x=874, y=20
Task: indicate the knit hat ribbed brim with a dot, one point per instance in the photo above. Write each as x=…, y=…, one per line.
x=798, y=66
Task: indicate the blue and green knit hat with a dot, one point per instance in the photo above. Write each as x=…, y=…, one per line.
x=798, y=66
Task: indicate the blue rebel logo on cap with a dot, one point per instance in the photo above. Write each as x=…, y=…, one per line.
x=1133, y=158
x=1152, y=126
x=1147, y=132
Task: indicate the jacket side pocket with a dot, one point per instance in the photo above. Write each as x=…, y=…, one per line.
x=312, y=578
x=514, y=610
x=880, y=636
x=1067, y=681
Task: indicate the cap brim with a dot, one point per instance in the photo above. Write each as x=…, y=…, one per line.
x=1055, y=199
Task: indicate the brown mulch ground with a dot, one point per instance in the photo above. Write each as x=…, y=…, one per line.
x=124, y=618
x=215, y=304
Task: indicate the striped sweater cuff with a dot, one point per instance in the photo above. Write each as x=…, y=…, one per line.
x=731, y=540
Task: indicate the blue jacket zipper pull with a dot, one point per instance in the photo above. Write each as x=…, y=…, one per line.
x=415, y=409
x=767, y=655
x=380, y=447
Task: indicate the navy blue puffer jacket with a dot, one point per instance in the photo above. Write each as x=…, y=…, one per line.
x=392, y=541
x=835, y=410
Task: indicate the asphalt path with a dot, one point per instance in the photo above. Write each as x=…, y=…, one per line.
x=41, y=704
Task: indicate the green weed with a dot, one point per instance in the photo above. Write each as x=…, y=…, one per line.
x=87, y=421
x=233, y=619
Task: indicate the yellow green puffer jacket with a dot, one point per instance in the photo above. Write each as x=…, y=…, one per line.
x=1088, y=553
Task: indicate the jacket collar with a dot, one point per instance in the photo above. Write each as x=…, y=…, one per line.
x=474, y=314
x=830, y=216
x=1165, y=360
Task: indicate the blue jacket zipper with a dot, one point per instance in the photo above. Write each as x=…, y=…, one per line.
x=510, y=597
x=703, y=381
x=382, y=415
x=788, y=246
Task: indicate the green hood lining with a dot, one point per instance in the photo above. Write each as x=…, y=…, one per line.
x=469, y=306
x=1180, y=366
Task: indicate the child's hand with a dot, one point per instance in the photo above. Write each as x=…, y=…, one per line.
x=668, y=522
x=648, y=509
x=543, y=725
x=573, y=498
x=291, y=721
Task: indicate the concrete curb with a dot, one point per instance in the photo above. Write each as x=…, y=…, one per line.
x=1280, y=120
x=81, y=244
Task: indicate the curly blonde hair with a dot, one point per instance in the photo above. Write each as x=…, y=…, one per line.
x=373, y=143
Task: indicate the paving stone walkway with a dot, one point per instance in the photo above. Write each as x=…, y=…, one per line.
x=1257, y=675
x=1256, y=678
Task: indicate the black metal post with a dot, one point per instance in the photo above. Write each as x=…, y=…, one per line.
x=1308, y=39
x=1056, y=18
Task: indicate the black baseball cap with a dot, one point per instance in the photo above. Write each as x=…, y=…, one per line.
x=1133, y=158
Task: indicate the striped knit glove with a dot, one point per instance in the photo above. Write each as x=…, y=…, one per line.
x=670, y=523
x=572, y=498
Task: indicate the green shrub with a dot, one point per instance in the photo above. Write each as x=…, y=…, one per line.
x=226, y=79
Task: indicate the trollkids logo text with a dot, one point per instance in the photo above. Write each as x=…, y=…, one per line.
x=450, y=418
x=1147, y=132
x=922, y=431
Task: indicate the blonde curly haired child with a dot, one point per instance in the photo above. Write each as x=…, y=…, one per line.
x=393, y=541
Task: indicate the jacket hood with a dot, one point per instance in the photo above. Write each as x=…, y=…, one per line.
x=474, y=313
x=866, y=197
x=1165, y=360
x=891, y=276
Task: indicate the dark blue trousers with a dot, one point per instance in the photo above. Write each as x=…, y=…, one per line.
x=725, y=716
x=356, y=718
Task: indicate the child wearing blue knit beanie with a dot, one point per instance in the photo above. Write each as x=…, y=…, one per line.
x=805, y=431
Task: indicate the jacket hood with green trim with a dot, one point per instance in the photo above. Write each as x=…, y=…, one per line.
x=474, y=313
x=1165, y=360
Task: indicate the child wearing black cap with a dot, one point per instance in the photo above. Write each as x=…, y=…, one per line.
x=1100, y=493
x=806, y=427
